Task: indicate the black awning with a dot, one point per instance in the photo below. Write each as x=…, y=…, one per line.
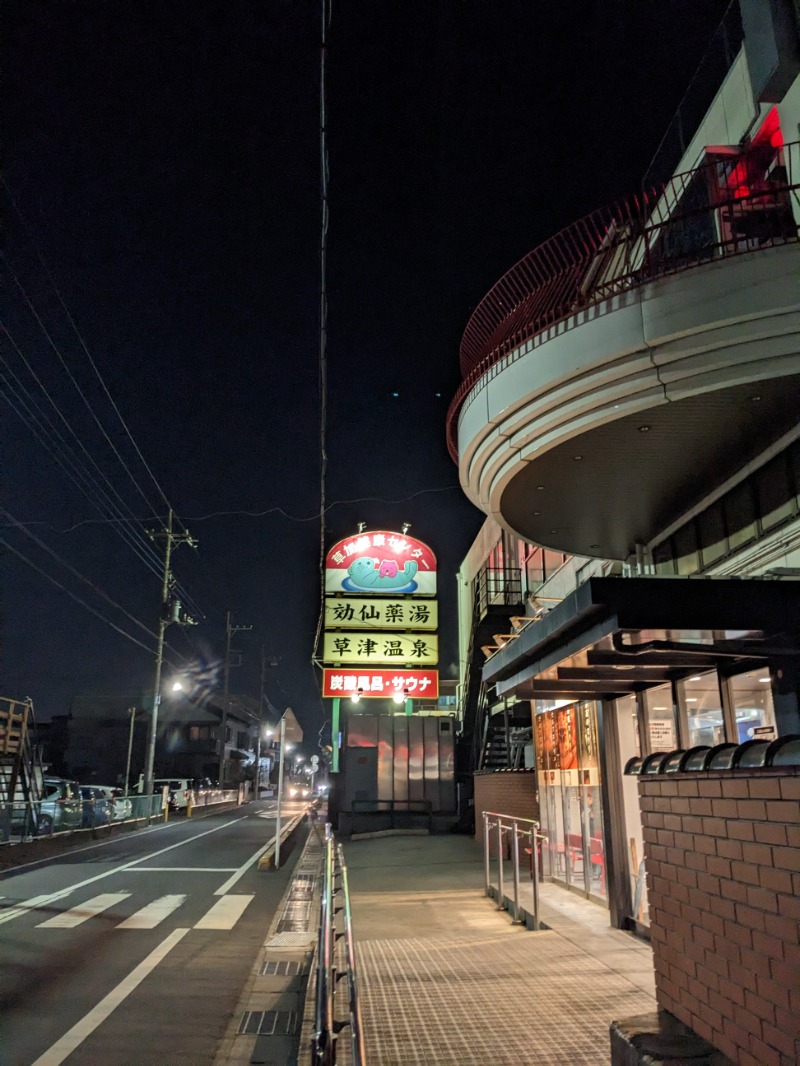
x=614, y=636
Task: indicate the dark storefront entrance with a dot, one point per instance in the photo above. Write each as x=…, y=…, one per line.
x=630, y=666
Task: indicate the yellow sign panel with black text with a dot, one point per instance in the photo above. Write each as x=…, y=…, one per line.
x=374, y=613
x=393, y=649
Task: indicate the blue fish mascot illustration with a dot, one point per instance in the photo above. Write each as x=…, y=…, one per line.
x=374, y=575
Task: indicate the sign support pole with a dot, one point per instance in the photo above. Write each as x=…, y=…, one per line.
x=335, y=736
x=409, y=707
x=280, y=794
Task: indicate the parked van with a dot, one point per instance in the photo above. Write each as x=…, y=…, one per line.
x=180, y=789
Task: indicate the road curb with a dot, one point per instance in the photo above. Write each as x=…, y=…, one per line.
x=267, y=860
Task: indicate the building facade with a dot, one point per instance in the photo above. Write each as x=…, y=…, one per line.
x=628, y=421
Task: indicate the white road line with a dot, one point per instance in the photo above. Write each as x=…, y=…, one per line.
x=149, y=917
x=225, y=913
x=41, y=901
x=64, y=1047
x=184, y=870
x=84, y=911
x=224, y=888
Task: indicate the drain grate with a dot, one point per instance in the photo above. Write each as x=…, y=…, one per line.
x=292, y=940
x=281, y=969
x=268, y=1023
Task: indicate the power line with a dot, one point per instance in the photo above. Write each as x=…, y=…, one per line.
x=258, y=514
x=77, y=574
x=83, y=344
x=53, y=442
x=77, y=387
x=72, y=595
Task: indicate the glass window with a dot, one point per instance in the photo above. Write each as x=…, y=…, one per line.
x=591, y=806
x=662, y=558
x=628, y=734
x=713, y=539
x=660, y=713
x=535, y=569
x=552, y=561
x=740, y=515
x=772, y=490
x=751, y=694
x=699, y=695
x=794, y=470
x=684, y=543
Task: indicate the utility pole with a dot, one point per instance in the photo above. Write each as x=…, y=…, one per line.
x=229, y=631
x=132, y=713
x=170, y=612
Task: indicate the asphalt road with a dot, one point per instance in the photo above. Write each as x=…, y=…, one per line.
x=135, y=952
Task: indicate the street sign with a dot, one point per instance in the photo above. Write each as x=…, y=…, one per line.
x=294, y=731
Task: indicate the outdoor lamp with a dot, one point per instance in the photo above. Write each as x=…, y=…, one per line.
x=399, y=697
x=356, y=696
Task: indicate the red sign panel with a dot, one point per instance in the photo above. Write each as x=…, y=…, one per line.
x=381, y=563
x=380, y=684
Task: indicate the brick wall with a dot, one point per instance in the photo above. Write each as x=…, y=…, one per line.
x=505, y=792
x=722, y=854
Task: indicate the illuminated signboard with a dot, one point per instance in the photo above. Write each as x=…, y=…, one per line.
x=381, y=684
x=370, y=613
x=367, y=647
x=381, y=563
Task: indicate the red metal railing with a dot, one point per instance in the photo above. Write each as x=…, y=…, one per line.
x=731, y=206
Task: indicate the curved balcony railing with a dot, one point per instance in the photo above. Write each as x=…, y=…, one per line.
x=728, y=207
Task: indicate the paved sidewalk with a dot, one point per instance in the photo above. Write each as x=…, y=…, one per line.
x=446, y=979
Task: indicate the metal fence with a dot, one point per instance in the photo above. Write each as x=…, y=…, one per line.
x=335, y=899
x=62, y=816
x=731, y=206
x=503, y=833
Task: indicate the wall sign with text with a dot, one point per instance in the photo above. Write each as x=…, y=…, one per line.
x=364, y=646
x=374, y=613
x=381, y=684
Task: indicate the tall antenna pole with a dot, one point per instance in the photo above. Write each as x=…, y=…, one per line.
x=323, y=311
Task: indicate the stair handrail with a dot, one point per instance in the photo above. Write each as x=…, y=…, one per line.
x=326, y=1026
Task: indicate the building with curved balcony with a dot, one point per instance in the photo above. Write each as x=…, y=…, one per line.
x=629, y=422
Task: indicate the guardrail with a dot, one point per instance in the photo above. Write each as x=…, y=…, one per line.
x=517, y=829
x=326, y=1026
x=728, y=207
x=48, y=818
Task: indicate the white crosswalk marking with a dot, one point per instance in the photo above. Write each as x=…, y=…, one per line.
x=149, y=917
x=225, y=913
x=84, y=911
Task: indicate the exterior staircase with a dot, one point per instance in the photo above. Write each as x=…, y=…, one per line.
x=21, y=773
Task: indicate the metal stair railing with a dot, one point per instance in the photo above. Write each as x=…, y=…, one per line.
x=510, y=830
x=326, y=1026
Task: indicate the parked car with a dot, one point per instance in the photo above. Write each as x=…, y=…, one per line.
x=97, y=808
x=121, y=805
x=60, y=808
x=180, y=789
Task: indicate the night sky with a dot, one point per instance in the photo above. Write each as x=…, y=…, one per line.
x=161, y=271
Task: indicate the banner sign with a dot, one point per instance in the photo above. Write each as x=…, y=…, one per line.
x=358, y=613
x=381, y=684
x=366, y=647
x=381, y=563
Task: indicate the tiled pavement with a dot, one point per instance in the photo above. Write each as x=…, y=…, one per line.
x=445, y=977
